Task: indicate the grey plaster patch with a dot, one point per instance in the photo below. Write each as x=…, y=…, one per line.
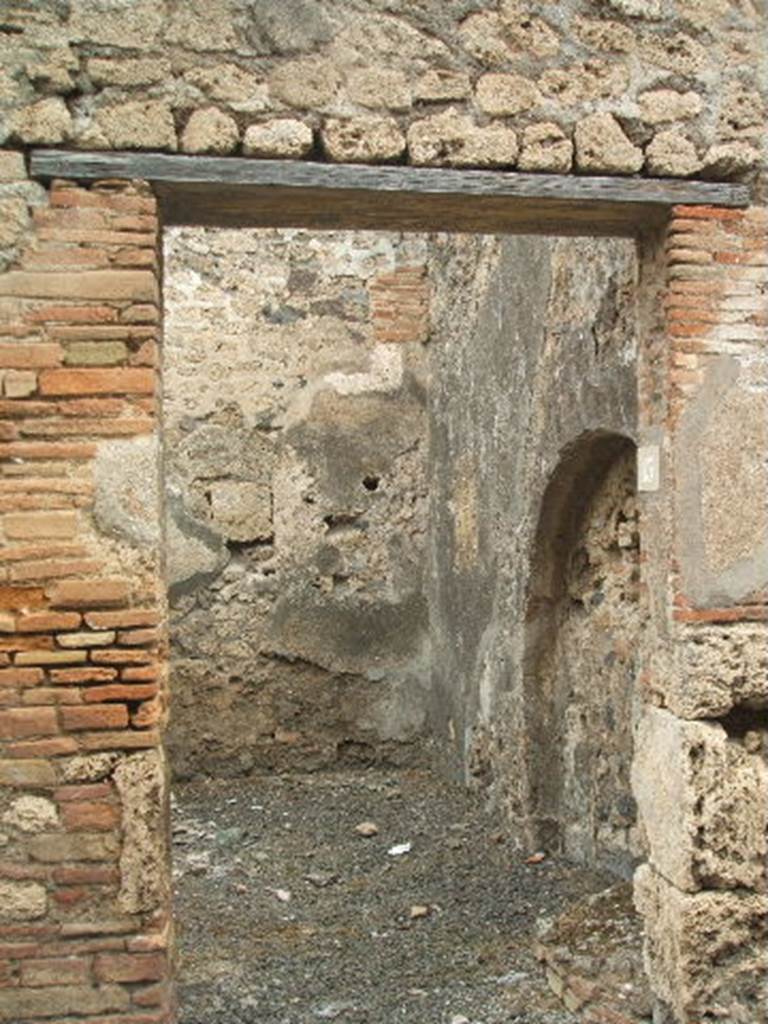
x=127, y=499
x=722, y=543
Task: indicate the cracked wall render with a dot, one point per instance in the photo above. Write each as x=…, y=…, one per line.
x=295, y=447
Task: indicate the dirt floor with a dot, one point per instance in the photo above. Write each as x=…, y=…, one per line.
x=287, y=914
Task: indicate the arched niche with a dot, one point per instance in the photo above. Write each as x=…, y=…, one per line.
x=584, y=615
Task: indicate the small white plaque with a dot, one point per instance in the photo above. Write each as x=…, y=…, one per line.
x=648, y=467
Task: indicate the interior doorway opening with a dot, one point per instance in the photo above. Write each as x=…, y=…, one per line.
x=358, y=432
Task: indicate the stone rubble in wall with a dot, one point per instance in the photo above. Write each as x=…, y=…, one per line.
x=506, y=87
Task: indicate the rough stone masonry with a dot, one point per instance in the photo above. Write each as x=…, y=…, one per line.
x=617, y=87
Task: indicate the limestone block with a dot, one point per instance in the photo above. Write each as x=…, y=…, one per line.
x=706, y=813
x=675, y=52
x=203, y=26
x=104, y=22
x=662, y=106
x=306, y=84
x=12, y=166
x=47, y=122
x=481, y=35
x=283, y=138
x=141, y=782
x=545, y=147
x=54, y=72
x=138, y=124
x=731, y=160
x=231, y=85
x=454, y=140
x=210, y=131
x=22, y=901
x=603, y=148
x=242, y=510
x=499, y=94
x=715, y=668
x=741, y=107
x=379, y=88
x=611, y=36
x=14, y=220
x=648, y=9
x=31, y=814
x=705, y=953
x=438, y=85
x=592, y=80
x=367, y=139
x=525, y=32
x=671, y=155
x=128, y=72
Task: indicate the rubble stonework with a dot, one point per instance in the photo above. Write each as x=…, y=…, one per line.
x=621, y=87
x=295, y=436
x=621, y=82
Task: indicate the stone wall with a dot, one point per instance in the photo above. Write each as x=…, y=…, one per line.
x=295, y=438
x=663, y=87
x=540, y=363
x=612, y=86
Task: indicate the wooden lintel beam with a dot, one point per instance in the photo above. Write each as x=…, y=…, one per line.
x=279, y=193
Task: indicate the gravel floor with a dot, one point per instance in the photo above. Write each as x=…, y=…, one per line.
x=287, y=915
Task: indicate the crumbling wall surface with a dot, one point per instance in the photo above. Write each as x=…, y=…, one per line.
x=700, y=776
x=584, y=619
x=84, y=890
x=664, y=87
x=295, y=441
x=540, y=359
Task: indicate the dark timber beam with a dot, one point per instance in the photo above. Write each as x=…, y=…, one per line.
x=236, y=192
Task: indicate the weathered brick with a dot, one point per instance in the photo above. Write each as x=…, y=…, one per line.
x=51, y=569
x=89, y=876
x=89, y=353
x=57, y=746
x=47, y=450
x=40, y=525
x=137, y=637
x=129, y=967
x=30, y=357
x=69, y=1000
x=52, y=695
x=85, y=639
x=19, y=384
x=83, y=675
x=51, y=657
x=21, y=599
x=91, y=816
x=55, y=847
x=45, y=622
x=88, y=593
x=83, y=791
x=19, y=723
x=120, y=656
x=132, y=285
x=128, y=618
x=120, y=740
x=56, y=971
x=74, y=314
x=33, y=774
x=96, y=716
x=131, y=691
x=97, y=382
x=20, y=676
x=24, y=552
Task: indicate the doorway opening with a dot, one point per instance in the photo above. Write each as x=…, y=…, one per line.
x=359, y=429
